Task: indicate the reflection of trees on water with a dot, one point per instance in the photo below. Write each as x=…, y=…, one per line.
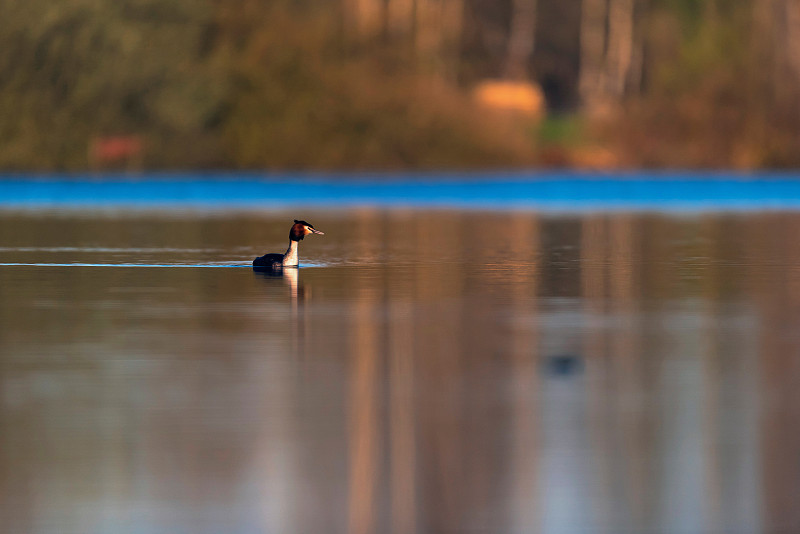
x=647, y=433
x=505, y=372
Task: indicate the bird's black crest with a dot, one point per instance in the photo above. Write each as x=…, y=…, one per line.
x=296, y=233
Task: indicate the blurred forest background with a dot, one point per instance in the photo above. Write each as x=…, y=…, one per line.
x=399, y=84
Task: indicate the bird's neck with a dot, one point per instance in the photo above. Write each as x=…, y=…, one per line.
x=290, y=259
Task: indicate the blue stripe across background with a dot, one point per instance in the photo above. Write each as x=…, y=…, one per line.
x=548, y=191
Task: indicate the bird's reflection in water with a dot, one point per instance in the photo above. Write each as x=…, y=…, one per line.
x=290, y=277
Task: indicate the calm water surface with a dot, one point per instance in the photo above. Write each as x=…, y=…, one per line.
x=424, y=371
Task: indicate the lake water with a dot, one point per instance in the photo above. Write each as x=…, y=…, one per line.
x=427, y=369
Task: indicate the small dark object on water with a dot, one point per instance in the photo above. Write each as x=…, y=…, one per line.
x=563, y=365
x=275, y=261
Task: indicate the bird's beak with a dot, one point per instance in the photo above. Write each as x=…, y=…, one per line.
x=314, y=231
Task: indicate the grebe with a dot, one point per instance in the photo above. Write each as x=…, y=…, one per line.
x=299, y=230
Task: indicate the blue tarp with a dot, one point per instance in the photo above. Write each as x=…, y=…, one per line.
x=555, y=191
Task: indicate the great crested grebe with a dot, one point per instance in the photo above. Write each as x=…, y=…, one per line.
x=299, y=230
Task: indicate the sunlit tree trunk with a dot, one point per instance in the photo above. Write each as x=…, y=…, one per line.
x=593, y=45
x=426, y=35
x=400, y=17
x=521, y=38
x=364, y=18
x=620, y=47
x=611, y=51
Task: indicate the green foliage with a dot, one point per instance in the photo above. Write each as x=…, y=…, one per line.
x=561, y=130
x=710, y=99
x=78, y=70
x=304, y=98
x=713, y=51
x=285, y=84
x=239, y=83
x=353, y=118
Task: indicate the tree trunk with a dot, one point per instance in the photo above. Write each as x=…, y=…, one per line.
x=426, y=42
x=452, y=13
x=364, y=18
x=778, y=34
x=792, y=13
x=593, y=44
x=612, y=50
x=521, y=38
x=620, y=47
x=400, y=15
